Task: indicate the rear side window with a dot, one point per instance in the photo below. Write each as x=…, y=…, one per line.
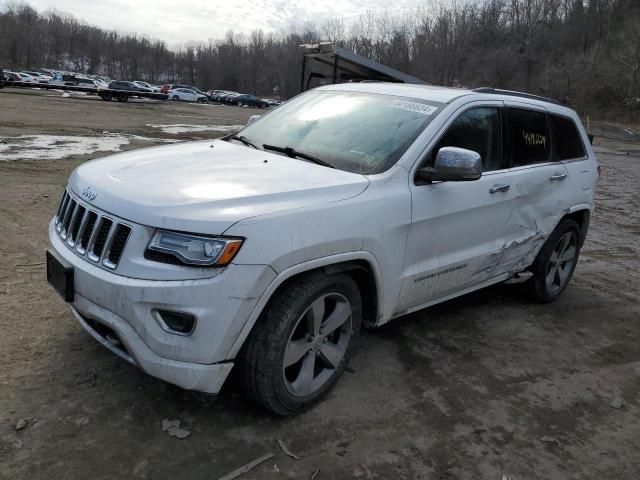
x=529, y=137
x=566, y=136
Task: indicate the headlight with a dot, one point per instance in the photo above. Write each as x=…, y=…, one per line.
x=196, y=249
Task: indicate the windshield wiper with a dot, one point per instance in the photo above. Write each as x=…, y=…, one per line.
x=243, y=139
x=290, y=152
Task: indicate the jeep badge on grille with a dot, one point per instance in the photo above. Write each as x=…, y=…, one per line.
x=89, y=193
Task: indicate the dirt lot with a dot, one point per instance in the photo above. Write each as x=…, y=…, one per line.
x=488, y=386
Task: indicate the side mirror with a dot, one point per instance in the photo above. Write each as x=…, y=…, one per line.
x=453, y=164
x=253, y=118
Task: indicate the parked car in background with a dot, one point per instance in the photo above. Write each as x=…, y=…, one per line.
x=128, y=86
x=187, y=95
x=73, y=80
x=12, y=77
x=27, y=78
x=213, y=94
x=228, y=97
x=86, y=82
x=165, y=88
x=273, y=102
x=248, y=100
x=219, y=95
x=153, y=88
x=100, y=83
x=63, y=79
x=39, y=76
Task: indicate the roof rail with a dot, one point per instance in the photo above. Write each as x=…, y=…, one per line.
x=497, y=91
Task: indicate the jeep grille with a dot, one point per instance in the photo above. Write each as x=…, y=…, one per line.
x=91, y=233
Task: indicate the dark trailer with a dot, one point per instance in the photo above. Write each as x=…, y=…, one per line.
x=340, y=65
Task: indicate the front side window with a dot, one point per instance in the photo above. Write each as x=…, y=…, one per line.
x=353, y=131
x=477, y=129
x=529, y=137
x=568, y=144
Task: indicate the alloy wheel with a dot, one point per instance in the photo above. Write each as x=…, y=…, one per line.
x=317, y=344
x=561, y=262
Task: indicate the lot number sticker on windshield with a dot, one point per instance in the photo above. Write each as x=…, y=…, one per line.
x=415, y=107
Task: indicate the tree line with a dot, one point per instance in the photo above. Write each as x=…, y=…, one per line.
x=585, y=53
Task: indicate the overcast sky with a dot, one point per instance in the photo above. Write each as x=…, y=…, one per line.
x=178, y=21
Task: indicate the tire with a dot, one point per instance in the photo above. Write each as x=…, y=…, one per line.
x=175, y=98
x=106, y=96
x=264, y=105
x=282, y=334
x=550, y=276
x=123, y=97
x=239, y=103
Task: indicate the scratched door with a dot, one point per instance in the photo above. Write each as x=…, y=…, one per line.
x=457, y=231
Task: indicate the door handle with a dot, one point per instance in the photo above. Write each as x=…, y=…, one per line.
x=500, y=188
x=558, y=177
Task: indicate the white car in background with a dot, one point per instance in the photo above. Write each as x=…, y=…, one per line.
x=187, y=95
x=153, y=88
x=36, y=77
x=26, y=78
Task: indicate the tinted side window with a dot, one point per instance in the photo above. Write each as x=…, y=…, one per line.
x=529, y=137
x=566, y=138
x=479, y=130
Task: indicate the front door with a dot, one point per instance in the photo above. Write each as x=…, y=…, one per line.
x=457, y=232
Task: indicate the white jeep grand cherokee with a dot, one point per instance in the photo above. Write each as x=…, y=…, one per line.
x=349, y=204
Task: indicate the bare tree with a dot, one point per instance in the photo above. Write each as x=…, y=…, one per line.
x=585, y=52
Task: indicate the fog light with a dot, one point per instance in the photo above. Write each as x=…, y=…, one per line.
x=179, y=323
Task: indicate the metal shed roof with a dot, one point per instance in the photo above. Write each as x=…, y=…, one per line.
x=343, y=60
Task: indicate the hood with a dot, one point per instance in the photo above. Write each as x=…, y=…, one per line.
x=205, y=187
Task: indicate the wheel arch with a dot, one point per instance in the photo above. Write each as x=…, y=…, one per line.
x=361, y=266
x=581, y=214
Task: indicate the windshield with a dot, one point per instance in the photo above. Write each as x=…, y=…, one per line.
x=353, y=131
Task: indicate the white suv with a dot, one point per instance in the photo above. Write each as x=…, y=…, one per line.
x=349, y=204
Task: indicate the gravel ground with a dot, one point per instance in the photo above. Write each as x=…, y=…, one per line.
x=488, y=386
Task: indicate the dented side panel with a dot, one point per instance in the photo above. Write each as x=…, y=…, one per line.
x=538, y=204
x=456, y=237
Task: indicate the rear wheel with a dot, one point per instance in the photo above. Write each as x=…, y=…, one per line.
x=175, y=98
x=301, y=343
x=239, y=103
x=556, y=262
x=123, y=97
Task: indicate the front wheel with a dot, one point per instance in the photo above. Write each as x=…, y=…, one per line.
x=239, y=103
x=556, y=262
x=301, y=343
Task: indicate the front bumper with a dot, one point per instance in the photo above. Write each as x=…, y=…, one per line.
x=130, y=347
x=222, y=304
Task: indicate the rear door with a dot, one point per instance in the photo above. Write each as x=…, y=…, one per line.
x=570, y=149
x=456, y=236
x=539, y=183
